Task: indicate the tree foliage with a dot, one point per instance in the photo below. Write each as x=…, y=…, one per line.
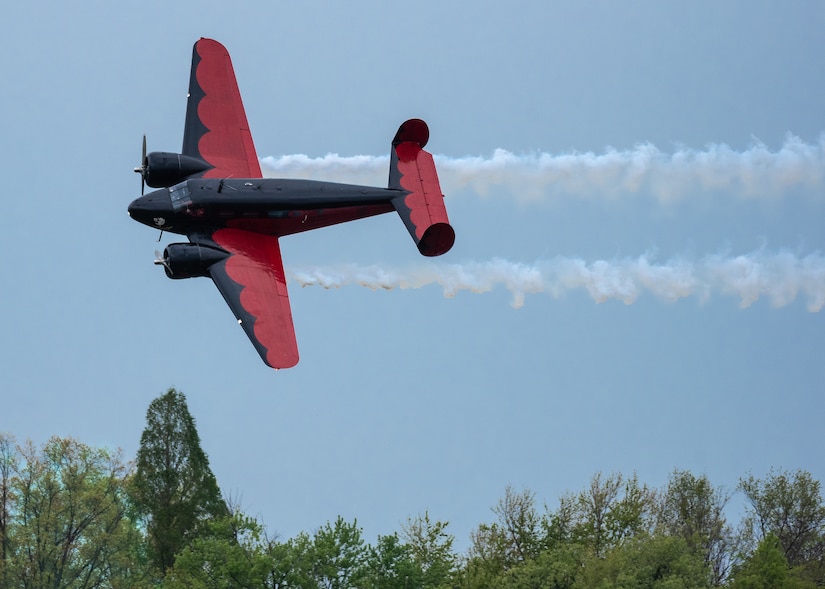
x=173, y=487
x=65, y=522
x=789, y=507
x=609, y=511
x=339, y=555
x=431, y=548
x=693, y=509
x=390, y=564
x=767, y=568
x=655, y=562
x=8, y=466
x=508, y=542
x=236, y=553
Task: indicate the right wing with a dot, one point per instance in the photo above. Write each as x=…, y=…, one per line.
x=253, y=283
x=216, y=129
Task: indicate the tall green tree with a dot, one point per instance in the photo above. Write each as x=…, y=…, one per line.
x=173, y=488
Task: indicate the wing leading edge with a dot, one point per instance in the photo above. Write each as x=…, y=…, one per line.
x=253, y=283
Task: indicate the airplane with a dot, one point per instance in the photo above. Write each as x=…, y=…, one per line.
x=213, y=192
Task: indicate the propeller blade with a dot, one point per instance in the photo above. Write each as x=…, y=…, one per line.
x=162, y=261
x=141, y=169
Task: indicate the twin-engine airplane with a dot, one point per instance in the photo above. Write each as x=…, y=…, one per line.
x=213, y=193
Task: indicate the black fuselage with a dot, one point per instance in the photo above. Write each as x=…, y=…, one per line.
x=271, y=206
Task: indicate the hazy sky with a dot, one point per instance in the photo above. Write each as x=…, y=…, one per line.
x=659, y=199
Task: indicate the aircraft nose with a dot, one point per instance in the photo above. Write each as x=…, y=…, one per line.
x=154, y=209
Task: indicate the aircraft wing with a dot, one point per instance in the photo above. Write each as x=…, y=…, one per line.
x=216, y=129
x=251, y=279
x=253, y=283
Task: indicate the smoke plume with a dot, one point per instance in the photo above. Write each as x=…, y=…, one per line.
x=756, y=172
x=778, y=277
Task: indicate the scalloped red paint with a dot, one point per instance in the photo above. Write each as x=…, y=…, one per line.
x=228, y=144
x=419, y=177
x=257, y=267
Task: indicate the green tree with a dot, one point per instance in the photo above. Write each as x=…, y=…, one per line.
x=500, y=546
x=646, y=562
x=611, y=510
x=236, y=554
x=68, y=524
x=691, y=508
x=789, y=506
x=767, y=568
x=390, y=565
x=557, y=567
x=431, y=548
x=173, y=487
x=8, y=465
x=338, y=555
x=294, y=563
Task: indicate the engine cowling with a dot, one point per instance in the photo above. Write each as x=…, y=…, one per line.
x=162, y=169
x=189, y=260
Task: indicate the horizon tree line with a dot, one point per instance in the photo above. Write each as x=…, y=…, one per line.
x=77, y=517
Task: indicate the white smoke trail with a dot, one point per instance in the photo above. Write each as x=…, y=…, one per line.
x=779, y=277
x=756, y=172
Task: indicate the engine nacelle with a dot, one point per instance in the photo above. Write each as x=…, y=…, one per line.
x=163, y=169
x=188, y=260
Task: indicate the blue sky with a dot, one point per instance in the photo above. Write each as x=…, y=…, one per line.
x=405, y=400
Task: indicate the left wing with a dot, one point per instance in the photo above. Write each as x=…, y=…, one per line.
x=251, y=279
x=216, y=129
x=253, y=283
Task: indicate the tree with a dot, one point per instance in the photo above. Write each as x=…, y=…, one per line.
x=767, y=568
x=691, y=508
x=654, y=562
x=607, y=513
x=173, y=487
x=789, y=506
x=507, y=543
x=431, y=548
x=556, y=567
x=8, y=465
x=235, y=554
x=519, y=520
x=390, y=565
x=67, y=520
x=338, y=555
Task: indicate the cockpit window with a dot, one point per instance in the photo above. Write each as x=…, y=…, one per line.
x=179, y=193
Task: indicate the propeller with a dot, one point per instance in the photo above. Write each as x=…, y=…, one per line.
x=143, y=167
x=160, y=260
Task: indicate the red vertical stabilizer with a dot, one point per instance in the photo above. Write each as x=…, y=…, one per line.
x=422, y=207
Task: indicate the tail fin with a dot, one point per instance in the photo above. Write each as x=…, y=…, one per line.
x=421, y=206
